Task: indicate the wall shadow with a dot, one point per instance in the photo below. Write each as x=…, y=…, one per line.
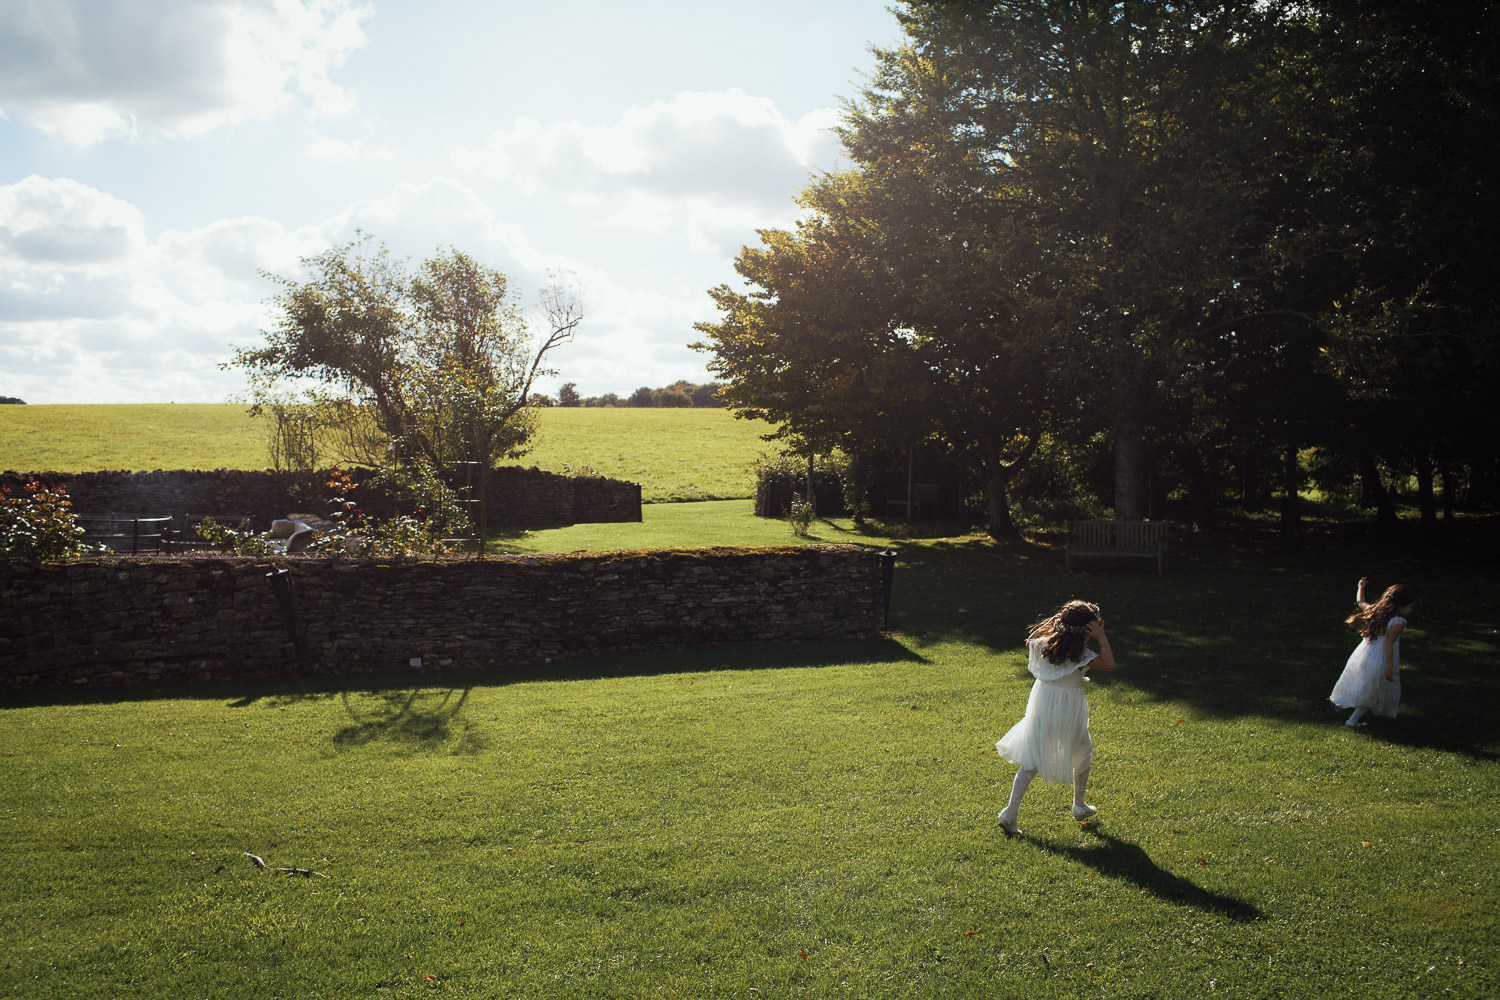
x=293, y=688
x=1127, y=862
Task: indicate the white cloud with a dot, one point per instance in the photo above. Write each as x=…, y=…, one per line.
x=90, y=70
x=61, y=221
x=152, y=318
x=330, y=149
x=715, y=165
x=92, y=309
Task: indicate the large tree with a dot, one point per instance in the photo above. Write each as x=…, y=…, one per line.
x=440, y=358
x=1050, y=202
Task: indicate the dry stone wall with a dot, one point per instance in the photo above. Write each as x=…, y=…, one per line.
x=516, y=497
x=123, y=620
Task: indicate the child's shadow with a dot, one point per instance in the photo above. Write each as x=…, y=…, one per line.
x=1128, y=862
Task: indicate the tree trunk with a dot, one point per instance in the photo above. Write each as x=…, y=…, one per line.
x=1291, y=503
x=1450, y=499
x=1385, y=509
x=1131, y=480
x=1426, y=501
x=1250, y=482
x=997, y=499
x=1201, y=489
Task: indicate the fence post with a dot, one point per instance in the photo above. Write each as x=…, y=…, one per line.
x=286, y=598
x=887, y=578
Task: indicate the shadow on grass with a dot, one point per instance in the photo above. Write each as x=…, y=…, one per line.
x=1127, y=862
x=1229, y=634
x=418, y=716
x=409, y=703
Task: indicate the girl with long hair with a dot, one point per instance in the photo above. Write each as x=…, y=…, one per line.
x=1052, y=739
x=1371, y=681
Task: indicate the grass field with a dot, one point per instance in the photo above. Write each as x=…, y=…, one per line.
x=789, y=821
x=674, y=454
x=804, y=821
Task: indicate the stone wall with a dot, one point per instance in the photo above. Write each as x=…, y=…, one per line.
x=156, y=618
x=516, y=497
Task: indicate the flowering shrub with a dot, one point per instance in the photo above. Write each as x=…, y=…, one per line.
x=236, y=541
x=39, y=524
x=354, y=533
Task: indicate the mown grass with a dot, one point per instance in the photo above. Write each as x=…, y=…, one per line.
x=674, y=454
x=792, y=821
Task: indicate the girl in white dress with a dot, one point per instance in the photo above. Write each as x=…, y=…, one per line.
x=1371, y=681
x=1053, y=737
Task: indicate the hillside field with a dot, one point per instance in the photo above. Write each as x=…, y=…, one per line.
x=674, y=454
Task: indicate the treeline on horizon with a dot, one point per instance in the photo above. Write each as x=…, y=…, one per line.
x=679, y=395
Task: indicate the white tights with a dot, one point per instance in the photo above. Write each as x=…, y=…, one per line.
x=1023, y=781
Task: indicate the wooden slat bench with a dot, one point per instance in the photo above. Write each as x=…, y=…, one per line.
x=125, y=534
x=1137, y=539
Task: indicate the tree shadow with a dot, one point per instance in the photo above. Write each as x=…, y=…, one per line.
x=1126, y=862
x=1231, y=633
x=422, y=717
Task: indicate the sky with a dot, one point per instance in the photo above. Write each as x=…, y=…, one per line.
x=157, y=156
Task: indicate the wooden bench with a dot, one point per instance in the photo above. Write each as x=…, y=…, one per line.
x=924, y=496
x=1131, y=539
x=125, y=534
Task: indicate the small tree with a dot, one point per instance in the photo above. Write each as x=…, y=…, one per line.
x=568, y=395
x=439, y=362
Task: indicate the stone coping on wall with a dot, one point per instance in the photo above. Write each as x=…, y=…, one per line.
x=515, y=496
x=121, y=620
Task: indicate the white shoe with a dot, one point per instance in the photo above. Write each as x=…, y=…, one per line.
x=1008, y=824
x=1084, y=812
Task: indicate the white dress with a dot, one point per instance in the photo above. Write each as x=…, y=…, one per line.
x=1053, y=737
x=1363, y=683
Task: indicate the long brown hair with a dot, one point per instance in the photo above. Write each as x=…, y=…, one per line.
x=1065, y=631
x=1373, y=620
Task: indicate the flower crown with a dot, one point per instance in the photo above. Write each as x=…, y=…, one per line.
x=1072, y=629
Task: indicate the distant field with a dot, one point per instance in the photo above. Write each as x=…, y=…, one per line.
x=673, y=454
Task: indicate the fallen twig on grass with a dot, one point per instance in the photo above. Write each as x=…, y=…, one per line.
x=260, y=863
x=304, y=872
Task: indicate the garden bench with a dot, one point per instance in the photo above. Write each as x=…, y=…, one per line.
x=924, y=496
x=125, y=534
x=1131, y=539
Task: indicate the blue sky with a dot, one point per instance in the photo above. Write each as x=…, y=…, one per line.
x=156, y=156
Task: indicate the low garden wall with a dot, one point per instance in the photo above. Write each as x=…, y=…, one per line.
x=156, y=618
x=516, y=497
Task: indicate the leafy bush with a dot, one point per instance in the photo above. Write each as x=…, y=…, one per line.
x=1055, y=488
x=39, y=524
x=421, y=532
x=800, y=516
x=781, y=479
x=235, y=541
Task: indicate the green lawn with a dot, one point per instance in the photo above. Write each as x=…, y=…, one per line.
x=674, y=454
x=794, y=820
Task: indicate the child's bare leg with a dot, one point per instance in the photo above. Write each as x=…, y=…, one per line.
x=1357, y=717
x=1013, y=808
x=1081, y=809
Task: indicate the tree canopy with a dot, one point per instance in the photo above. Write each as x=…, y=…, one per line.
x=440, y=359
x=1177, y=225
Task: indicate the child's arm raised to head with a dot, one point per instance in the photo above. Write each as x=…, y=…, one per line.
x=1359, y=593
x=1106, y=658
